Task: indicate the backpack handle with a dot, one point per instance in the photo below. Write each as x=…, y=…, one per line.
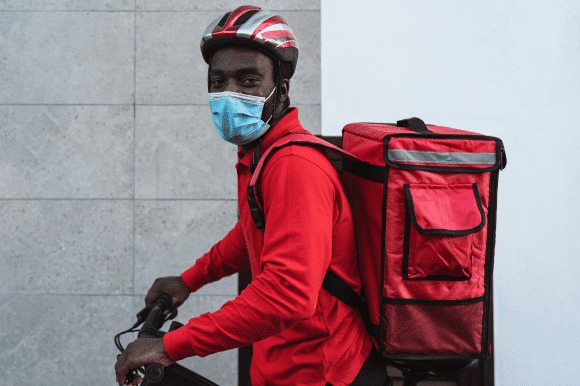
x=415, y=124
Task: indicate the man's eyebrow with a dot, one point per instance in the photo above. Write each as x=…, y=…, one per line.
x=239, y=73
x=248, y=70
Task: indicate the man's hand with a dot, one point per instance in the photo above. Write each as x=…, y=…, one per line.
x=170, y=285
x=139, y=353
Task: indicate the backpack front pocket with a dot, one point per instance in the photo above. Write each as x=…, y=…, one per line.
x=440, y=222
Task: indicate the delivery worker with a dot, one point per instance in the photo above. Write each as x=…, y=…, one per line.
x=301, y=334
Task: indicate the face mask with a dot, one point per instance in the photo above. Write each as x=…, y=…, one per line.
x=237, y=117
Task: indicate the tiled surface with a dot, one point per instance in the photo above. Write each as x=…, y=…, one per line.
x=60, y=340
x=66, y=151
x=67, y=57
x=305, y=85
x=99, y=197
x=171, y=70
x=171, y=235
x=67, y=5
x=220, y=368
x=66, y=247
x=225, y=5
x=180, y=154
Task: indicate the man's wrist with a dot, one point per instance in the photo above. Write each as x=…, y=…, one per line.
x=194, y=278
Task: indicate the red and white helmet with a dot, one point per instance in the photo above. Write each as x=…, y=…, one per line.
x=251, y=26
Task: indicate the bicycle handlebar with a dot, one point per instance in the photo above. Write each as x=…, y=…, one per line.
x=154, y=372
x=153, y=317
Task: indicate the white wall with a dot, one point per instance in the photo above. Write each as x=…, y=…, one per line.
x=507, y=69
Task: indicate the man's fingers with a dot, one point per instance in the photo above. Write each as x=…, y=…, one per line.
x=125, y=365
x=120, y=369
x=137, y=380
x=140, y=353
x=152, y=295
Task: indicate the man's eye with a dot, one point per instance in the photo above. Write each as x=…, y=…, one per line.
x=216, y=82
x=250, y=81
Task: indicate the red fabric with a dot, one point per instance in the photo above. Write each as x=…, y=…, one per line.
x=451, y=207
x=367, y=217
x=441, y=200
x=300, y=333
x=376, y=131
x=420, y=329
x=395, y=285
x=366, y=150
x=445, y=145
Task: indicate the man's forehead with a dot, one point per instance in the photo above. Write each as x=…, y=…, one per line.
x=240, y=57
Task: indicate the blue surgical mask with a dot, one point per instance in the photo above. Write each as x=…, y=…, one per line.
x=238, y=117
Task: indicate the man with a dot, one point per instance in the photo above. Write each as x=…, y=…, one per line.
x=300, y=333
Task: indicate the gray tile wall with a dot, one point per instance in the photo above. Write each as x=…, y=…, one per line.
x=112, y=174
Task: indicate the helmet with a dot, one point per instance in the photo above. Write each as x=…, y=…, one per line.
x=254, y=27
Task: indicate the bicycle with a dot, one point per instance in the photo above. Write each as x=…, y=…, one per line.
x=153, y=317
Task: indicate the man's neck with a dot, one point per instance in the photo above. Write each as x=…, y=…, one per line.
x=249, y=146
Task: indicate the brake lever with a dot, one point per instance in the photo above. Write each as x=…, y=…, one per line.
x=170, y=314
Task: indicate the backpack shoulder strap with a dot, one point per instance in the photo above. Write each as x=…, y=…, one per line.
x=332, y=282
x=253, y=196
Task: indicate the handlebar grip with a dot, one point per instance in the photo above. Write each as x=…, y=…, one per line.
x=154, y=372
x=155, y=318
x=164, y=301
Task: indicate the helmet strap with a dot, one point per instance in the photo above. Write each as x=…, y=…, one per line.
x=209, y=71
x=278, y=96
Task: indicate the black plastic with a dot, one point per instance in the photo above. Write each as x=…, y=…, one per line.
x=415, y=124
x=154, y=373
x=175, y=325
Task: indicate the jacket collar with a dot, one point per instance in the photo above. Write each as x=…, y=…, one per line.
x=289, y=123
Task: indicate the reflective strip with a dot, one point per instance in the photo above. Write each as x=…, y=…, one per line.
x=441, y=157
x=247, y=29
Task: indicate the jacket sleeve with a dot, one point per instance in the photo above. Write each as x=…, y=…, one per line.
x=227, y=257
x=298, y=202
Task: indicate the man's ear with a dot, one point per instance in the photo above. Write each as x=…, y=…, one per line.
x=284, y=90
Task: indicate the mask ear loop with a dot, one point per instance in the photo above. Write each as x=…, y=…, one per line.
x=271, y=116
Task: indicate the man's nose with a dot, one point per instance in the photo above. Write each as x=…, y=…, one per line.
x=231, y=85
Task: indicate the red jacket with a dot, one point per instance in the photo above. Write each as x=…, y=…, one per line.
x=300, y=333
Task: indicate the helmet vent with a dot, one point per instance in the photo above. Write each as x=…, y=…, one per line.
x=224, y=19
x=245, y=17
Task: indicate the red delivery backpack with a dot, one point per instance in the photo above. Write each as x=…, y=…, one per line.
x=424, y=202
